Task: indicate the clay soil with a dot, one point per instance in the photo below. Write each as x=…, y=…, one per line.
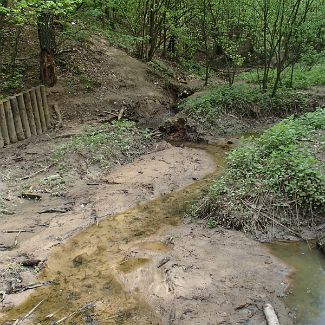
x=211, y=277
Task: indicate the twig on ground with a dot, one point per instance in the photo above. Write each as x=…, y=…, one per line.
x=16, y=230
x=32, y=310
x=80, y=310
x=16, y=239
x=163, y=262
x=38, y=172
x=31, y=286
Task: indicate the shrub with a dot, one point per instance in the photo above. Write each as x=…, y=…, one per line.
x=274, y=178
x=242, y=100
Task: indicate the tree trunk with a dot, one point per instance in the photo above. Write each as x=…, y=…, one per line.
x=46, y=35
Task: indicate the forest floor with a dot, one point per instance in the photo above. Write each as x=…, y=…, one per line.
x=201, y=282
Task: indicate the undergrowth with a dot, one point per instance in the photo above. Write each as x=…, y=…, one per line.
x=243, y=101
x=303, y=77
x=105, y=145
x=277, y=180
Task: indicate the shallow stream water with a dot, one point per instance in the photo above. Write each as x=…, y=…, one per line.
x=307, y=290
x=85, y=268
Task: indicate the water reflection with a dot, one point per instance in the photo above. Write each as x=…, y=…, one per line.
x=307, y=292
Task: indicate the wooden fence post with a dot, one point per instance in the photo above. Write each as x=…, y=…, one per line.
x=17, y=119
x=23, y=115
x=3, y=125
x=41, y=108
x=46, y=106
x=36, y=112
x=10, y=122
x=30, y=114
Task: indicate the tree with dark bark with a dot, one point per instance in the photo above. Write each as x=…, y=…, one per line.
x=46, y=36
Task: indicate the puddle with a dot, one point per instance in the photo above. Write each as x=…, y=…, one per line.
x=84, y=269
x=307, y=291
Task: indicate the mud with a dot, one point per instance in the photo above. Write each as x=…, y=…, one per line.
x=210, y=277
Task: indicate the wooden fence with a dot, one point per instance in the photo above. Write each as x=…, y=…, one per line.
x=24, y=115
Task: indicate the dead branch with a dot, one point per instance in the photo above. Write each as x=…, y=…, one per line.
x=80, y=310
x=38, y=172
x=32, y=310
x=30, y=286
x=163, y=262
x=16, y=230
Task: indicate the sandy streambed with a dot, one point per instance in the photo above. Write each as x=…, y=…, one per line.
x=148, y=265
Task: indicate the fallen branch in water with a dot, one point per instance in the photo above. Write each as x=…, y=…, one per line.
x=80, y=310
x=30, y=286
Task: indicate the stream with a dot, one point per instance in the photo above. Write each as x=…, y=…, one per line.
x=307, y=290
x=85, y=268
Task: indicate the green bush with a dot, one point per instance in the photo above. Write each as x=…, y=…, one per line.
x=277, y=172
x=242, y=100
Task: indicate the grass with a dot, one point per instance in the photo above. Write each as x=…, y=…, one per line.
x=162, y=68
x=276, y=179
x=243, y=101
x=303, y=78
x=105, y=145
x=88, y=83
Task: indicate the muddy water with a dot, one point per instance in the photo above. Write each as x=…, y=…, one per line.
x=85, y=268
x=307, y=293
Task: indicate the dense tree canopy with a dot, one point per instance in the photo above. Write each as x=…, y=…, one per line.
x=268, y=34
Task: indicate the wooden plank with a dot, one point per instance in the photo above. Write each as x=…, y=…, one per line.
x=10, y=122
x=38, y=124
x=45, y=106
x=23, y=116
x=41, y=108
x=3, y=125
x=17, y=119
x=30, y=113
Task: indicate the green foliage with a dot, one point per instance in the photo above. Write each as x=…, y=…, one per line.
x=106, y=145
x=162, y=69
x=304, y=77
x=27, y=11
x=278, y=170
x=53, y=184
x=14, y=82
x=192, y=67
x=241, y=100
x=122, y=40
